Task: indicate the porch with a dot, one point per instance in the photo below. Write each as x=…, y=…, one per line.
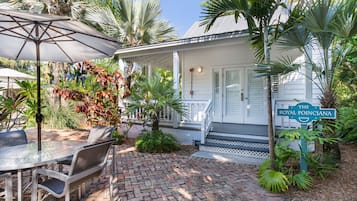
x=248, y=142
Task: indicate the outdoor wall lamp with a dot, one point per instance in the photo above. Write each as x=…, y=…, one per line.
x=199, y=69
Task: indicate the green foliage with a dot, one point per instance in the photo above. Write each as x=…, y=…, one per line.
x=132, y=22
x=274, y=181
x=309, y=135
x=302, y=180
x=156, y=142
x=60, y=117
x=266, y=165
x=321, y=165
x=347, y=124
x=118, y=138
x=287, y=162
x=284, y=155
x=21, y=107
x=153, y=95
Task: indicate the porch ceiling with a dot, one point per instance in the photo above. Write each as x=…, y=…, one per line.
x=163, y=60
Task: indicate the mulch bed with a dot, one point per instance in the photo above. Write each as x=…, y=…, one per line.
x=340, y=185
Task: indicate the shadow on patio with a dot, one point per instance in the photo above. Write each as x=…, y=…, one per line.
x=175, y=176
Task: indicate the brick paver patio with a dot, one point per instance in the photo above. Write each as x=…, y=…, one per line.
x=175, y=176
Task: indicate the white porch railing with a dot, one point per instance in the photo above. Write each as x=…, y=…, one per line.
x=194, y=113
x=284, y=121
x=207, y=120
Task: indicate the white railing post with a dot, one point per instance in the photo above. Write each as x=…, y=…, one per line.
x=206, y=121
x=176, y=77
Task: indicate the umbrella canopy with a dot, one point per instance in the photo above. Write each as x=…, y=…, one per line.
x=37, y=37
x=14, y=74
x=9, y=73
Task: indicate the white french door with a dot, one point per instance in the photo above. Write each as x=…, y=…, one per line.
x=238, y=96
x=228, y=88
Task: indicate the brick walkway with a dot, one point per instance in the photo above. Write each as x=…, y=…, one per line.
x=175, y=176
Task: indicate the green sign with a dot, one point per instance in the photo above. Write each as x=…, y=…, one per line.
x=305, y=113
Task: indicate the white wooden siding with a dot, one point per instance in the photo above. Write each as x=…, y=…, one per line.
x=209, y=58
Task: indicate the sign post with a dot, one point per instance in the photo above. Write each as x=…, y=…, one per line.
x=305, y=113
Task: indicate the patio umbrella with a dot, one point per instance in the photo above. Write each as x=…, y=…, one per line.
x=27, y=36
x=9, y=73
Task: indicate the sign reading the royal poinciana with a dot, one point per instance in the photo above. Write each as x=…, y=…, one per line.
x=305, y=113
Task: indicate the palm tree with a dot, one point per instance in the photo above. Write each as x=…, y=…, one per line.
x=325, y=24
x=53, y=7
x=153, y=95
x=132, y=22
x=259, y=17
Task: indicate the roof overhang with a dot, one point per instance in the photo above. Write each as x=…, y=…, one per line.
x=181, y=44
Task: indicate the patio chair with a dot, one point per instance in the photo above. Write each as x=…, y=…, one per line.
x=87, y=162
x=10, y=138
x=7, y=192
x=96, y=134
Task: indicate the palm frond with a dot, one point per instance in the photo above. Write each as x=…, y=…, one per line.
x=214, y=9
x=283, y=66
x=296, y=37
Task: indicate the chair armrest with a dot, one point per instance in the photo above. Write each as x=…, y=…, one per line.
x=52, y=174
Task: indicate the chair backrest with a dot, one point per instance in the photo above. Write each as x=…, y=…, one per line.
x=94, y=155
x=100, y=134
x=12, y=138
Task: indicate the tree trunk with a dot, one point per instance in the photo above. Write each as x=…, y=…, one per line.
x=269, y=102
x=155, y=122
x=328, y=100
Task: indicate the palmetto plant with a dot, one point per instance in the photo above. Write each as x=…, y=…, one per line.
x=153, y=95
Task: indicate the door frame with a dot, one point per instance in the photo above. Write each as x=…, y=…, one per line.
x=244, y=89
x=221, y=70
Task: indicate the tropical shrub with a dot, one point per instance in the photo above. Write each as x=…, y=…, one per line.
x=287, y=166
x=98, y=98
x=274, y=181
x=156, y=142
x=347, y=124
x=152, y=95
x=57, y=116
x=20, y=107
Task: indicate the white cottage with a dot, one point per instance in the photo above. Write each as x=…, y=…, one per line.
x=225, y=99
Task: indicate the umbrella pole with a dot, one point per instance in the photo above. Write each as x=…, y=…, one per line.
x=39, y=116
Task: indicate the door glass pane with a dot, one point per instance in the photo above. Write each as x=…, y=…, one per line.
x=232, y=91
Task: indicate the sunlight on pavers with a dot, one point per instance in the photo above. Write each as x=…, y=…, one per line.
x=184, y=193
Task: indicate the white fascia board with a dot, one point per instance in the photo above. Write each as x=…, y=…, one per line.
x=182, y=44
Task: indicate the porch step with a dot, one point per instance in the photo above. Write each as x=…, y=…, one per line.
x=238, y=137
x=244, y=129
x=224, y=157
x=238, y=145
x=235, y=151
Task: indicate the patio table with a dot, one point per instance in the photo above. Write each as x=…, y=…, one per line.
x=27, y=156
